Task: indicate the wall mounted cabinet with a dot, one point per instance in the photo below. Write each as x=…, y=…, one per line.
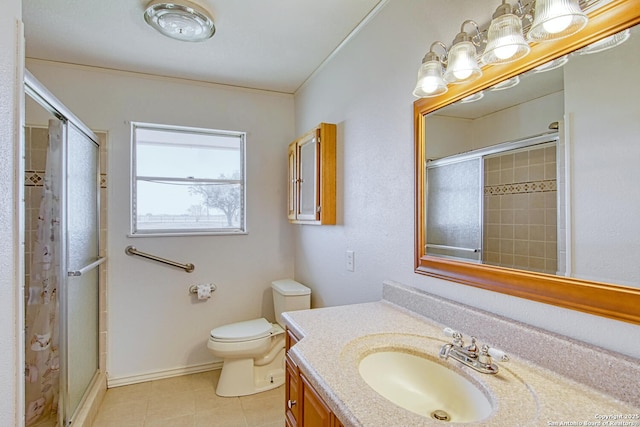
x=312, y=177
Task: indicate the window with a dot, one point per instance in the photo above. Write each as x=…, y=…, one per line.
x=186, y=181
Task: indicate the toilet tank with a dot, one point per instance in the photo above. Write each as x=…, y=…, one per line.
x=289, y=295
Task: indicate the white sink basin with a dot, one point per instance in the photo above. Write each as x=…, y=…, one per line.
x=424, y=387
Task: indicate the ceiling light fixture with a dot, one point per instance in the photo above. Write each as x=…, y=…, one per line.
x=184, y=20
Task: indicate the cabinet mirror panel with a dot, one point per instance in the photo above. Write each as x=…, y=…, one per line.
x=308, y=184
x=528, y=185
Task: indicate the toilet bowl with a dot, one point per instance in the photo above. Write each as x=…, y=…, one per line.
x=253, y=350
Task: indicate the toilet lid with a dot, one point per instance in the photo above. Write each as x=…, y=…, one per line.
x=242, y=331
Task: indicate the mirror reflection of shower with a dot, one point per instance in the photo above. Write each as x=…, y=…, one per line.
x=62, y=258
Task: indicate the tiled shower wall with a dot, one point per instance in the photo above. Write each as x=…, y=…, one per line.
x=520, y=218
x=36, y=139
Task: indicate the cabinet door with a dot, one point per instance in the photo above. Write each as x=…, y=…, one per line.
x=292, y=199
x=291, y=393
x=308, y=178
x=313, y=412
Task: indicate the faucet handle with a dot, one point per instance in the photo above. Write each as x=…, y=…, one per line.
x=449, y=332
x=497, y=354
x=457, y=336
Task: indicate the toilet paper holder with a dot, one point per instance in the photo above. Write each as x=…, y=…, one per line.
x=193, y=289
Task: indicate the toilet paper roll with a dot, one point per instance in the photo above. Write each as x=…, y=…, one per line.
x=204, y=291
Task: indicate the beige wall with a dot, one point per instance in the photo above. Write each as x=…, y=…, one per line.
x=156, y=328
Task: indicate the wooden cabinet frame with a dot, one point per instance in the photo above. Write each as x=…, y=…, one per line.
x=319, y=184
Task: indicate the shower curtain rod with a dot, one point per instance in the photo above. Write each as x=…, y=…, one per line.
x=131, y=250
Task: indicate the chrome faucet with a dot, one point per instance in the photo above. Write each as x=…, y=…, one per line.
x=479, y=359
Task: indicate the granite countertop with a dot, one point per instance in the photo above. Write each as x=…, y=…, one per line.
x=334, y=340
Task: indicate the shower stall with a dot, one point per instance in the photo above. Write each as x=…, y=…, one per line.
x=62, y=260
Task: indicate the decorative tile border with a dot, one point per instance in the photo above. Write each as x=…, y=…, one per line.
x=33, y=178
x=521, y=187
x=36, y=179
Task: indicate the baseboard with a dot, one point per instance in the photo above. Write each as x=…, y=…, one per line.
x=158, y=375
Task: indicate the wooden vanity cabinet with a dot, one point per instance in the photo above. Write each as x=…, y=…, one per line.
x=303, y=405
x=312, y=177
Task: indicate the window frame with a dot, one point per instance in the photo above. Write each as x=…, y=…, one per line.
x=135, y=231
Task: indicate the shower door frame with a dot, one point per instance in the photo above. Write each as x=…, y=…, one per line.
x=480, y=154
x=40, y=94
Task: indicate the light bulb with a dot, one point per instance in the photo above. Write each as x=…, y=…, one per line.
x=462, y=74
x=429, y=84
x=506, y=52
x=556, y=25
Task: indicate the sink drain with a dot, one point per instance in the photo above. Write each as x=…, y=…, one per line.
x=440, y=415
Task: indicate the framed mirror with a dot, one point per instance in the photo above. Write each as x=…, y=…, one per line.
x=584, y=141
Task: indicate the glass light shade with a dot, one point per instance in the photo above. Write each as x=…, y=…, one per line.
x=473, y=98
x=462, y=65
x=430, y=82
x=505, y=40
x=185, y=21
x=606, y=43
x=556, y=19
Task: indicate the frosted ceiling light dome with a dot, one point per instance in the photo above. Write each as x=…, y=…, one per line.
x=183, y=20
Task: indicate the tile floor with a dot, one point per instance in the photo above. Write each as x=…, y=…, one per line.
x=191, y=401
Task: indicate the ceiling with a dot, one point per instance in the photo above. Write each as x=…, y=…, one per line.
x=260, y=44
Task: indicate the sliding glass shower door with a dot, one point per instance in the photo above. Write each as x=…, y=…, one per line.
x=62, y=308
x=80, y=295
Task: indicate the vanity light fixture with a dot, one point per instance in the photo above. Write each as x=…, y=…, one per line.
x=556, y=19
x=506, y=42
x=181, y=20
x=462, y=64
x=606, y=43
x=507, y=84
x=473, y=97
x=430, y=79
x=552, y=65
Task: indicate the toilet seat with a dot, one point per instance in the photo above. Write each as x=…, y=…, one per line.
x=242, y=331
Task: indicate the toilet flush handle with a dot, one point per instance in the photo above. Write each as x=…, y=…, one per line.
x=290, y=403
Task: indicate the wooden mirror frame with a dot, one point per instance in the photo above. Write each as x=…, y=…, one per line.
x=602, y=299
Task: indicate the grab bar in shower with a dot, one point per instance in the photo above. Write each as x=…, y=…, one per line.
x=454, y=248
x=131, y=250
x=76, y=273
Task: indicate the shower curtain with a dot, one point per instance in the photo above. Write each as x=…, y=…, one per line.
x=42, y=336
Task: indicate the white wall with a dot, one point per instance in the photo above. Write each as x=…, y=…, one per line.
x=366, y=90
x=11, y=282
x=602, y=102
x=450, y=135
x=154, y=325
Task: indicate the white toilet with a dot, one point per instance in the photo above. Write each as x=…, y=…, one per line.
x=253, y=350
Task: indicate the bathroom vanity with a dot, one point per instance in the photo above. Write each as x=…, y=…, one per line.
x=548, y=379
x=303, y=404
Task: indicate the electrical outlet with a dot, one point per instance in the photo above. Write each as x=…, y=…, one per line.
x=350, y=261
